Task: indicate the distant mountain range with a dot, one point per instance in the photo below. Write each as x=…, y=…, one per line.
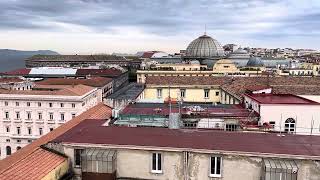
x=14, y=59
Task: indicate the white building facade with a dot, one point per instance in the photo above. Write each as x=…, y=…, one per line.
x=25, y=117
x=293, y=117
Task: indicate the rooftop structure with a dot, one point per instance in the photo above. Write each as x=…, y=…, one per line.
x=281, y=99
x=87, y=132
x=255, y=62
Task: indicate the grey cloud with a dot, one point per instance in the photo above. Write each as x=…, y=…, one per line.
x=163, y=17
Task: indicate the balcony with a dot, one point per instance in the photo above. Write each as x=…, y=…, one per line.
x=61, y=121
x=17, y=120
x=28, y=121
x=39, y=121
x=21, y=136
x=6, y=120
x=51, y=121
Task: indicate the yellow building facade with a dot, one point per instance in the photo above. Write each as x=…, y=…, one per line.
x=188, y=93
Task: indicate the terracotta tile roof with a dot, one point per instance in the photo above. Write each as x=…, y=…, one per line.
x=93, y=81
x=18, y=72
x=99, y=72
x=92, y=132
x=99, y=111
x=77, y=90
x=34, y=166
x=280, y=85
x=186, y=80
x=10, y=80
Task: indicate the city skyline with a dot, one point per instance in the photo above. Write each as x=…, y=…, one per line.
x=89, y=27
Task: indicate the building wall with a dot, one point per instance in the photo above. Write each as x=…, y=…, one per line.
x=227, y=98
x=15, y=140
x=58, y=172
x=306, y=117
x=192, y=94
x=137, y=163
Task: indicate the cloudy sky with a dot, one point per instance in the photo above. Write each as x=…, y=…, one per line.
x=106, y=26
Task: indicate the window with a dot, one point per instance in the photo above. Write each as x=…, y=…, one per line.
x=73, y=105
x=28, y=104
x=51, y=129
x=6, y=103
x=17, y=115
x=77, y=157
x=73, y=115
x=159, y=93
x=18, y=140
x=7, y=140
x=62, y=116
x=272, y=123
x=231, y=127
x=28, y=115
x=8, y=129
x=40, y=131
x=289, y=125
x=50, y=104
x=156, y=163
x=50, y=116
x=7, y=115
x=17, y=103
x=61, y=105
x=217, y=93
x=8, y=149
x=18, y=130
x=29, y=141
x=206, y=93
x=215, y=166
x=39, y=104
x=182, y=93
x=39, y=116
x=29, y=130
x=18, y=148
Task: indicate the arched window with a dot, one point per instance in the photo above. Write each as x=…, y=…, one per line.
x=18, y=148
x=8, y=149
x=289, y=125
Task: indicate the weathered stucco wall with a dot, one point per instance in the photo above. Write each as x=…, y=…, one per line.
x=137, y=164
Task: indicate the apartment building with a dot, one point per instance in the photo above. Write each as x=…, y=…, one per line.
x=29, y=114
x=160, y=153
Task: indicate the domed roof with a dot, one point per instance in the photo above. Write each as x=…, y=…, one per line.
x=255, y=62
x=204, y=47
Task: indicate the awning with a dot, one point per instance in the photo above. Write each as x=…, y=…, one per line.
x=282, y=165
x=99, y=154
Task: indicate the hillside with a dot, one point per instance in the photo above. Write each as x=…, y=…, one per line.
x=13, y=59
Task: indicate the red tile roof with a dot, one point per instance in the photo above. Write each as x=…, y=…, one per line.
x=164, y=109
x=10, y=80
x=93, y=81
x=18, y=72
x=280, y=99
x=186, y=80
x=34, y=166
x=99, y=111
x=99, y=72
x=92, y=132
